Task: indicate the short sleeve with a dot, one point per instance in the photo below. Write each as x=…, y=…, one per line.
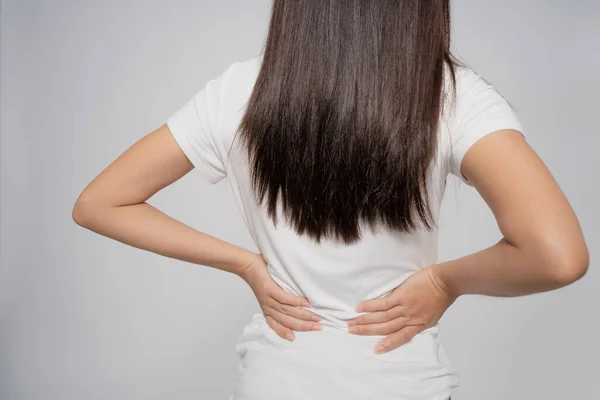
x=195, y=127
x=480, y=110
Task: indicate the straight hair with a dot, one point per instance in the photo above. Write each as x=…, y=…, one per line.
x=341, y=126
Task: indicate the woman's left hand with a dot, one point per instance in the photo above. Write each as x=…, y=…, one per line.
x=415, y=305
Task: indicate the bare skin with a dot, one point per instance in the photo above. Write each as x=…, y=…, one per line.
x=542, y=249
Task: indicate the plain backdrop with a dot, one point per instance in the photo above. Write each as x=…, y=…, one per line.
x=86, y=317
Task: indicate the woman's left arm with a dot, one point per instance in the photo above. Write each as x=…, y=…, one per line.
x=114, y=205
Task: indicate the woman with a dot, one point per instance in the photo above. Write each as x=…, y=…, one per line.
x=337, y=141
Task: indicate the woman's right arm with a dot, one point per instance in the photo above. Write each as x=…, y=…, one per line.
x=542, y=246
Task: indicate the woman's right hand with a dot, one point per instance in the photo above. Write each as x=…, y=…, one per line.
x=282, y=310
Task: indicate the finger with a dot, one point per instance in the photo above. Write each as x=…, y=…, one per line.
x=294, y=323
x=385, y=328
x=287, y=298
x=379, y=304
x=299, y=313
x=397, y=339
x=281, y=330
x=377, y=316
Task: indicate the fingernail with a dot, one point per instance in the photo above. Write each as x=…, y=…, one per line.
x=316, y=327
x=353, y=331
x=380, y=348
x=315, y=318
x=358, y=309
x=306, y=303
x=290, y=336
x=350, y=323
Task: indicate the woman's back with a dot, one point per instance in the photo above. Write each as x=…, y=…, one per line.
x=334, y=276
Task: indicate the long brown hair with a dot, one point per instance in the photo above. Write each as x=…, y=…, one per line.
x=342, y=121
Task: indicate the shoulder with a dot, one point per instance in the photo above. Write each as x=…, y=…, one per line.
x=478, y=110
x=235, y=83
x=469, y=82
x=476, y=98
x=241, y=71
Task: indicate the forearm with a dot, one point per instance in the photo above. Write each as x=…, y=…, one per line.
x=501, y=270
x=145, y=227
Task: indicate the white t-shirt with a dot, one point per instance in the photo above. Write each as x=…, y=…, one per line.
x=332, y=363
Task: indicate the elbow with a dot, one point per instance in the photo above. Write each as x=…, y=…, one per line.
x=571, y=265
x=78, y=213
x=82, y=211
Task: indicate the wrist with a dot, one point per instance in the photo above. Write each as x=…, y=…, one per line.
x=444, y=280
x=246, y=271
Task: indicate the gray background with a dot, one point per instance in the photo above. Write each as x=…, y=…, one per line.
x=86, y=317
